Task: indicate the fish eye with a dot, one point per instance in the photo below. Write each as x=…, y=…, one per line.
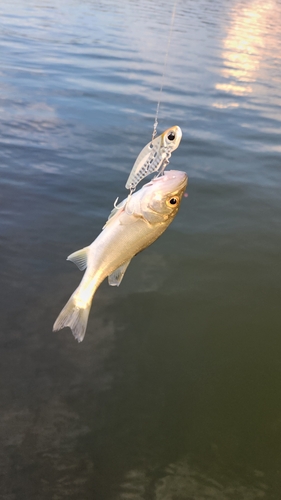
x=171, y=136
x=173, y=201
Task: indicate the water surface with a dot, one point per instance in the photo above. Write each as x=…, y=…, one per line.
x=175, y=392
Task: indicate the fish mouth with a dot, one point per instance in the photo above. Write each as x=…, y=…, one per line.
x=179, y=176
x=184, y=181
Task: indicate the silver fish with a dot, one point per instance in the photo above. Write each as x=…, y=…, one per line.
x=132, y=226
x=155, y=156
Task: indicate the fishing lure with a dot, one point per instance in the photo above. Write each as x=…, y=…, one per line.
x=155, y=156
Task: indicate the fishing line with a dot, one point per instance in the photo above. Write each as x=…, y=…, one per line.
x=164, y=70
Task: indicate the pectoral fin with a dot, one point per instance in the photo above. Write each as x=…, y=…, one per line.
x=80, y=258
x=116, y=277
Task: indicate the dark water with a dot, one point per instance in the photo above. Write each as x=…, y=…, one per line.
x=175, y=393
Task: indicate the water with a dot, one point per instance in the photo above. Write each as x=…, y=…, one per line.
x=175, y=392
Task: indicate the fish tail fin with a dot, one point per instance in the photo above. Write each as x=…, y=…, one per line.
x=74, y=316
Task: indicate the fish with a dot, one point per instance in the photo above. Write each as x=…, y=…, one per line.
x=155, y=156
x=132, y=226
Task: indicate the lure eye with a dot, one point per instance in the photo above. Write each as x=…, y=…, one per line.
x=171, y=136
x=173, y=201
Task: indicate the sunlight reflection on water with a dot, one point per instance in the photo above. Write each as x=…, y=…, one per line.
x=248, y=40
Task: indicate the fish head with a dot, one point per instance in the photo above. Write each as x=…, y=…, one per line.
x=161, y=197
x=171, y=138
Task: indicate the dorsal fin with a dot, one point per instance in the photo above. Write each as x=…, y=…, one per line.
x=80, y=258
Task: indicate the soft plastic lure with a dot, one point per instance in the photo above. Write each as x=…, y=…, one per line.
x=155, y=156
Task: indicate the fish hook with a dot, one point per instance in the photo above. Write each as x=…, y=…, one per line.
x=132, y=190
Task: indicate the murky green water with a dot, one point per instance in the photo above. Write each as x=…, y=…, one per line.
x=175, y=392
